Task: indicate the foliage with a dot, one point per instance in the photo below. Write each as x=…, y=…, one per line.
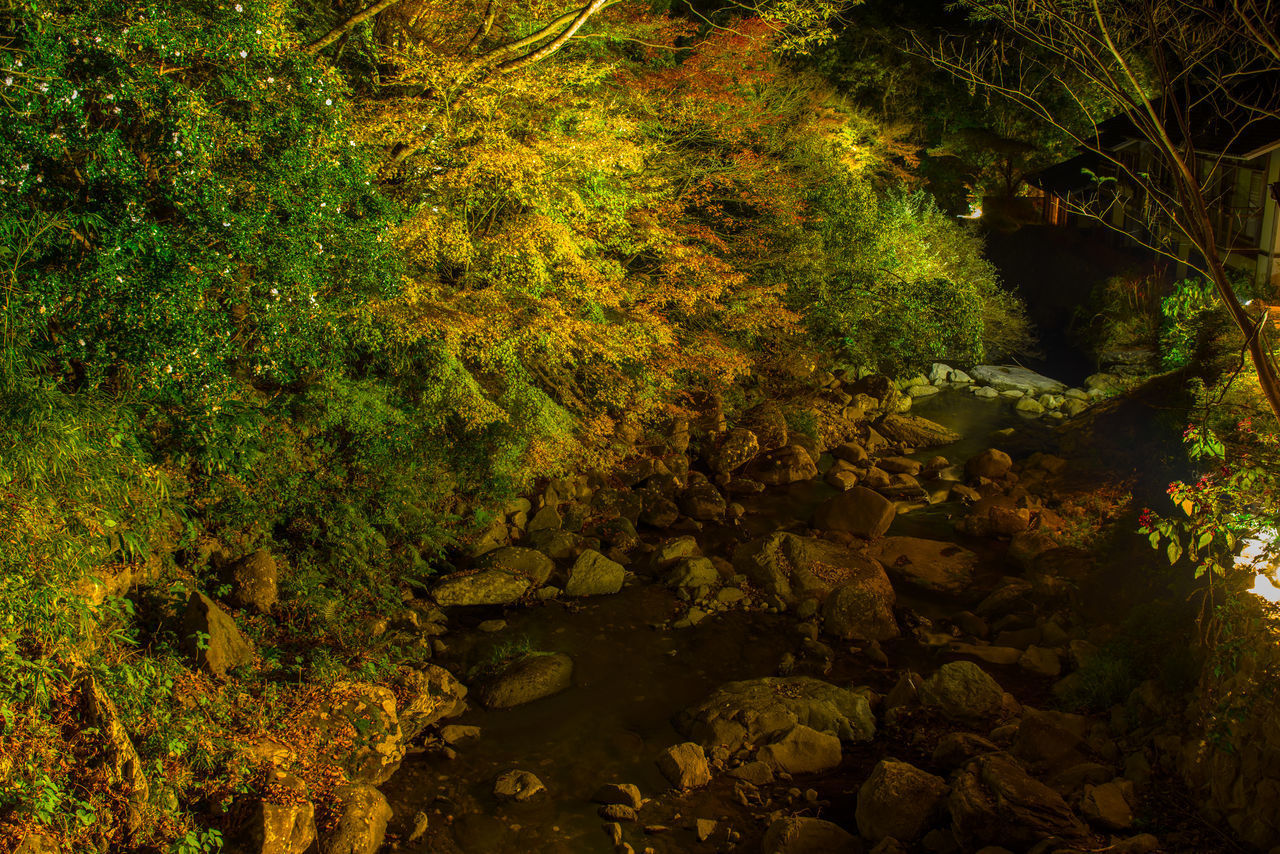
x=336, y=307
x=904, y=284
x=1181, y=311
x=1235, y=498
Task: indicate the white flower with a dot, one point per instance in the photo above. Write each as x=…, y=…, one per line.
x=275, y=293
x=243, y=54
x=168, y=369
x=239, y=8
x=8, y=81
x=226, y=224
x=328, y=102
x=271, y=80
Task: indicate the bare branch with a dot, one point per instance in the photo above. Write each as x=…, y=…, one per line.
x=349, y=24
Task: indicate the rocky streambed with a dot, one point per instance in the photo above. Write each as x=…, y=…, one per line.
x=858, y=638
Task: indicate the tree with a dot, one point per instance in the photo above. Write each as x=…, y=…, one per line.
x=1178, y=71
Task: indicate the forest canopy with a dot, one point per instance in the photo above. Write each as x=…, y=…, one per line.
x=279, y=274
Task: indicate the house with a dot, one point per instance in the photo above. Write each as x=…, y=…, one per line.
x=1239, y=173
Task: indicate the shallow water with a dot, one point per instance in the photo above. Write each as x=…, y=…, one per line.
x=629, y=679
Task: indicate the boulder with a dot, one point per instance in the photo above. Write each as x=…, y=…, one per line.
x=768, y=424
x=791, y=464
x=956, y=749
x=658, y=510
x=808, y=836
x=361, y=825
x=254, y=582
x=685, y=766
x=735, y=449
x=860, y=511
x=862, y=609
x=693, y=572
x=758, y=711
x=915, y=431
x=702, y=501
x=593, y=574
x=1040, y=661
x=516, y=785
x=899, y=800
x=879, y=388
x=359, y=729
x=1106, y=807
x=496, y=586
x=546, y=519
x=425, y=696
x=900, y=465
x=841, y=479
x=931, y=565
x=281, y=821
x=991, y=463
x=850, y=452
x=674, y=549
x=963, y=692
x=755, y=772
x=803, y=750
x=940, y=373
x=118, y=755
x=1012, y=378
x=626, y=794
x=530, y=677
x=559, y=545
x=211, y=639
x=996, y=516
x=617, y=812
x=995, y=802
x=530, y=563
x=793, y=569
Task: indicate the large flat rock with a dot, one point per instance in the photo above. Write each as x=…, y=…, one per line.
x=1013, y=378
x=931, y=565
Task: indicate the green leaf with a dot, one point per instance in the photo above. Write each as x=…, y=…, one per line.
x=1154, y=538
x=1174, y=551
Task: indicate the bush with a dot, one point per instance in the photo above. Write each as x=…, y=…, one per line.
x=901, y=284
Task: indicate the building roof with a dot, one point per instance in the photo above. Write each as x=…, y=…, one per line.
x=1219, y=127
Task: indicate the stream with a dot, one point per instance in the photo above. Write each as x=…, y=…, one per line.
x=633, y=673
